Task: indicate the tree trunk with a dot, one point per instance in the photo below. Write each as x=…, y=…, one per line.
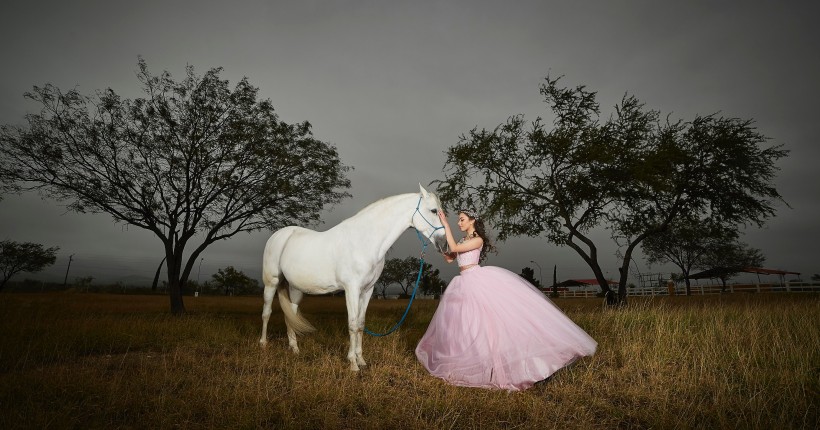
x=175, y=294
x=688, y=286
x=592, y=262
x=610, y=296
x=174, y=265
x=624, y=273
x=156, y=275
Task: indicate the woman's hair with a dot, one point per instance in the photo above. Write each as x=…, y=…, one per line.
x=480, y=231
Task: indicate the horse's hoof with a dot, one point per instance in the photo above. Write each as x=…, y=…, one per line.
x=263, y=344
x=361, y=362
x=354, y=367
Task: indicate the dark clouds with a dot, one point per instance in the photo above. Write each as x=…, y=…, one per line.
x=393, y=85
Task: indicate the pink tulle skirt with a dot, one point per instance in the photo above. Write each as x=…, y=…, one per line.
x=493, y=329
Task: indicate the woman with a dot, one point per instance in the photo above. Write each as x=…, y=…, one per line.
x=492, y=328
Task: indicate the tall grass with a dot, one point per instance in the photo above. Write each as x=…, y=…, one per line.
x=113, y=361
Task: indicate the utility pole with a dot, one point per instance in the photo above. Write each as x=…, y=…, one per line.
x=65, y=280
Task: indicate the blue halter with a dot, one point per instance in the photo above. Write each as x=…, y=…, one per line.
x=421, y=268
x=418, y=233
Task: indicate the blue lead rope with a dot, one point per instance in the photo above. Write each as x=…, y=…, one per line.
x=418, y=277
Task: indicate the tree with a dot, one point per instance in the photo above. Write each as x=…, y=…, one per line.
x=431, y=282
x=686, y=243
x=83, y=283
x=7, y=183
x=393, y=273
x=234, y=282
x=404, y=272
x=155, y=282
x=729, y=259
x=632, y=174
x=193, y=162
x=16, y=257
x=529, y=274
x=5, y=187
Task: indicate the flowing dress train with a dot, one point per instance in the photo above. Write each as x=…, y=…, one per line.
x=493, y=329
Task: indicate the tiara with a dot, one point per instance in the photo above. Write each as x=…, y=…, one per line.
x=470, y=213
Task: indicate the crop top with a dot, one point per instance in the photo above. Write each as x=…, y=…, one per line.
x=469, y=257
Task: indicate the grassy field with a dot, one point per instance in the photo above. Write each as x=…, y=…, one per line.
x=71, y=360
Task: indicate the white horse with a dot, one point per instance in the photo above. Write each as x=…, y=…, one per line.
x=349, y=257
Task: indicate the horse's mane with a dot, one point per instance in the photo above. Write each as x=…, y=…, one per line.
x=384, y=201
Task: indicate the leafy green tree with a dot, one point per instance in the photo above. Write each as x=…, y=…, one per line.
x=431, y=282
x=192, y=161
x=686, y=243
x=234, y=282
x=16, y=257
x=529, y=274
x=404, y=272
x=632, y=174
x=393, y=273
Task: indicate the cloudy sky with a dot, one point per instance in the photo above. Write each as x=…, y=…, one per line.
x=394, y=84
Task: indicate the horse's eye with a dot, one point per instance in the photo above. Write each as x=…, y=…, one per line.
x=435, y=211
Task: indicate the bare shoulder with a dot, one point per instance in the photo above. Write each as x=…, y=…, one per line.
x=473, y=243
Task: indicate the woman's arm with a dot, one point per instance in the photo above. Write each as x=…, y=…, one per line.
x=468, y=245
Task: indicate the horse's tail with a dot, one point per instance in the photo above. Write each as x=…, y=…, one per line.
x=293, y=319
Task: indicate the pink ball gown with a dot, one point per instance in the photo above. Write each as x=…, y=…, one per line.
x=493, y=329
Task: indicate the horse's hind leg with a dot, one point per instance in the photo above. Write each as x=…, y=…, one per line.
x=295, y=299
x=270, y=291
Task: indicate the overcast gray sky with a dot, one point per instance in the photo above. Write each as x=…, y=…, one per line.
x=393, y=84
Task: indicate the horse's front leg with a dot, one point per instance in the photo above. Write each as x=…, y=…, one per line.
x=354, y=328
x=364, y=299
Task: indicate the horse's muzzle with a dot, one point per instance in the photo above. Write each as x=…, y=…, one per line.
x=441, y=243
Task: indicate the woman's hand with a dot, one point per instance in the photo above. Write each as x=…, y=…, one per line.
x=443, y=217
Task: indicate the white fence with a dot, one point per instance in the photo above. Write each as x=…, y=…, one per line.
x=680, y=290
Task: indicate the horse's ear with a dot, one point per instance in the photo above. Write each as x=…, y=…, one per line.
x=423, y=191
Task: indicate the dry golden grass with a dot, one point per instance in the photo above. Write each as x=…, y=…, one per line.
x=115, y=361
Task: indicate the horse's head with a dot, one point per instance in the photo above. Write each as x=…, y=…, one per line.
x=426, y=219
